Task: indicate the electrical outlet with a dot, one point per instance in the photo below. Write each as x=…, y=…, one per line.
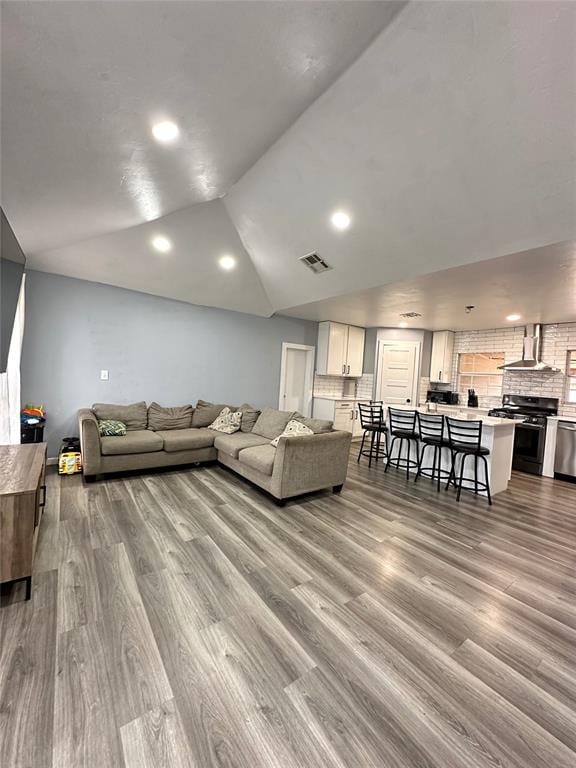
x=104, y=375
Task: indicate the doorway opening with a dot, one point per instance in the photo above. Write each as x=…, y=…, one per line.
x=296, y=378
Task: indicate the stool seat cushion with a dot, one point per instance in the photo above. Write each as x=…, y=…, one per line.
x=405, y=433
x=470, y=449
x=441, y=441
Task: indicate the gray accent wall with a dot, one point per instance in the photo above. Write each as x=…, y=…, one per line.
x=154, y=349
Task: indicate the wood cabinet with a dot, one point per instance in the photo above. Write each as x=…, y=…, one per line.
x=340, y=349
x=441, y=359
x=22, y=499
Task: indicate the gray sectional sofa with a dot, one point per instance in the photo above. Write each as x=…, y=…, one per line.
x=159, y=437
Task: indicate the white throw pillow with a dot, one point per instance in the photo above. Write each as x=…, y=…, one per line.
x=227, y=421
x=292, y=428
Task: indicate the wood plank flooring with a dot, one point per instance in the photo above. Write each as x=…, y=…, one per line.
x=182, y=620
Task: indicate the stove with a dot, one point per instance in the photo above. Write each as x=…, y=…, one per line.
x=531, y=414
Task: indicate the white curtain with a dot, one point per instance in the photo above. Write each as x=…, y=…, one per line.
x=10, y=381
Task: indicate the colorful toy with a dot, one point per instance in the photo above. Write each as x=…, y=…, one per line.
x=70, y=457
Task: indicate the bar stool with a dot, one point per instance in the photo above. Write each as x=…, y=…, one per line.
x=373, y=424
x=402, y=425
x=464, y=438
x=431, y=433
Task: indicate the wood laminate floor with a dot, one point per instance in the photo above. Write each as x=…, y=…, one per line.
x=182, y=620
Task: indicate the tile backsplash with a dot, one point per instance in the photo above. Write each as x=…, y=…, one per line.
x=340, y=386
x=557, y=340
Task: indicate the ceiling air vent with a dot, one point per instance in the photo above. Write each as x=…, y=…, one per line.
x=410, y=314
x=315, y=263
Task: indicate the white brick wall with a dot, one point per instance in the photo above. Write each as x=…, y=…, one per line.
x=334, y=386
x=557, y=340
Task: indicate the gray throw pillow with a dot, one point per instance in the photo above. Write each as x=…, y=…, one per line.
x=205, y=413
x=271, y=423
x=178, y=417
x=135, y=416
x=318, y=426
x=249, y=417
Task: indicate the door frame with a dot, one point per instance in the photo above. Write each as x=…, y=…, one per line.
x=416, y=379
x=309, y=380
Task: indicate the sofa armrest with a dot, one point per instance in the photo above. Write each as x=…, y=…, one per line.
x=89, y=441
x=306, y=463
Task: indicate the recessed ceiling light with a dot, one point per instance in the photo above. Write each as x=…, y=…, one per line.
x=227, y=262
x=403, y=324
x=165, y=131
x=513, y=318
x=162, y=244
x=340, y=220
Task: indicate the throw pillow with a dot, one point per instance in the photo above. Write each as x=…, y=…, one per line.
x=111, y=428
x=271, y=423
x=227, y=422
x=160, y=418
x=249, y=417
x=205, y=413
x=134, y=416
x=293, y=428
x=318, y=426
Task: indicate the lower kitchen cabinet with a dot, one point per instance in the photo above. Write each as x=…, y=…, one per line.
x=344, y=413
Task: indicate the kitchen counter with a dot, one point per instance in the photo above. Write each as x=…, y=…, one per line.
x=497, y=436
x=468, y=414
x=340, y=398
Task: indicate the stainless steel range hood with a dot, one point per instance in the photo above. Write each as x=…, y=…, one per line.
x=531, y=354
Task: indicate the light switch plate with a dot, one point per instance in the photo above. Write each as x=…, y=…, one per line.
x=104, y=375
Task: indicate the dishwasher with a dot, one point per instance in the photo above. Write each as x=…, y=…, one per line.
x=565, y=460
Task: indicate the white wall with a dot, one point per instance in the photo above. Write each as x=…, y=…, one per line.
x=155, y=349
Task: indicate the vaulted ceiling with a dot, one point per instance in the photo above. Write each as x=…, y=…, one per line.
x=446, y=130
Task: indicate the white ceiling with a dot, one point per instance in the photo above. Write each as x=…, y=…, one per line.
x=82, y=83
x=200, y=235
x=450, y=140
x=539, y=285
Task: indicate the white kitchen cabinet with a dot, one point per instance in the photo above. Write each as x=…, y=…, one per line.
x=340, y=349
x=344, y=413
x=441, y=359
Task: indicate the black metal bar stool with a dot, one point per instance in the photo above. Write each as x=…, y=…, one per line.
x=402, y=425
x=431, y=429
x=465, y=438
x=373, y=424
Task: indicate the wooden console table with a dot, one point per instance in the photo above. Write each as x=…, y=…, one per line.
x=22, y=499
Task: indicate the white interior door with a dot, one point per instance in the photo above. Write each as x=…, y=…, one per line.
x=397, y=381
x=296, y=378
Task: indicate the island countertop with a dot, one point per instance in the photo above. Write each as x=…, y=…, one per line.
x=465, y=414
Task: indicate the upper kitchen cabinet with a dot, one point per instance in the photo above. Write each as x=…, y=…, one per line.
x=441, y=359
x=340, y=349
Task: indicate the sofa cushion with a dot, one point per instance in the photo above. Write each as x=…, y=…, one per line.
x=293, y=428
x=135, y=441
x=233, y=444
x=160, y=418
x=249, y=417
x=205, y=413
x=260, y=457
x=135, y=416
x=228, y=422
x=318, y=426
x=271, y=423
x=187, y=439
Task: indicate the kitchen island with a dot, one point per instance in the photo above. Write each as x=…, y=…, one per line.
x=497, y=436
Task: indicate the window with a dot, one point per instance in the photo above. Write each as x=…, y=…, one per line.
x=479, y=371
x=571, y=374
